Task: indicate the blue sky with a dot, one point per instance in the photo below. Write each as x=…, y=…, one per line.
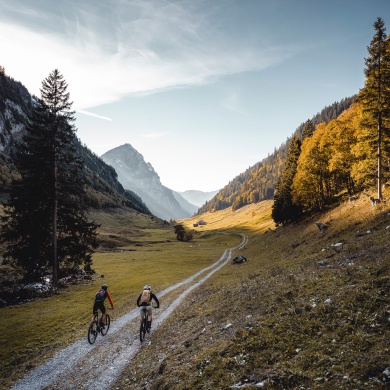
x=203, y=89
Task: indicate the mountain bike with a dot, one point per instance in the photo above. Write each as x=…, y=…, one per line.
x=97, y=326
x=144, y=327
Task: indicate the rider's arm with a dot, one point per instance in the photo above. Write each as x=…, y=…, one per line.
x=139, y=298
x=155, y=298
x=110, y=299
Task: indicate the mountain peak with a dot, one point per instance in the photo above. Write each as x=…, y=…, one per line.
x=140, y=177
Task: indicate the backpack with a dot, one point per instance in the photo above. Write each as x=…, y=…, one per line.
x=100, y=295
x=145, y=297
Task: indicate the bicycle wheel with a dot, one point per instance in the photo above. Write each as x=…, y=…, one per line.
x=106, y=325
x=148, y=326
x=92, y=332
x=142, y=329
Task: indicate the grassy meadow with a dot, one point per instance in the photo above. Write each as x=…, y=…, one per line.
x=307, y=309
x=149, y=253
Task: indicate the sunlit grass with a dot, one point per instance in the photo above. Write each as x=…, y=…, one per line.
x=37, y=329
x=282, y=327
x=251, y=219
x=282, y=319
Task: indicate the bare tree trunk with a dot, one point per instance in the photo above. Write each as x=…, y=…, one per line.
x=55, y=211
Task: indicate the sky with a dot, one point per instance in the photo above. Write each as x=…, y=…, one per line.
x=203, y=89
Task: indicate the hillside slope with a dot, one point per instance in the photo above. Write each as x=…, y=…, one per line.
x=258, y=182
x=102, y=185
x=307, y=310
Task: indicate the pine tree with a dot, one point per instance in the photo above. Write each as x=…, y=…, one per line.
x=46, y=223
x=375, y=96
x=284, y=210
x=308, y=130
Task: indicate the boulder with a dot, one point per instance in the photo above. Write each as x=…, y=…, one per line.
x=239, y=260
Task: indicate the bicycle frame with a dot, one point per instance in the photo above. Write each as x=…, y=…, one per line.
x=95, y=327
x=144, y=324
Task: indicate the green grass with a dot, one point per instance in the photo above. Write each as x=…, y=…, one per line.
x=34, y=331
x=303, y=312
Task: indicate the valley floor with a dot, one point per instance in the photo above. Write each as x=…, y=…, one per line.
x=82, y=365
x=307, y=310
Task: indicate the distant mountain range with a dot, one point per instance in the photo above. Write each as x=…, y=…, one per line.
x=198, y=198
x=139, y=176
x=120, y=178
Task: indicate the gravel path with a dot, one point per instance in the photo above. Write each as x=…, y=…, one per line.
x=85, y=366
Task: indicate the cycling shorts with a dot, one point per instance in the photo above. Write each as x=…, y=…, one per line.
x=148, y=309
x=98, y=305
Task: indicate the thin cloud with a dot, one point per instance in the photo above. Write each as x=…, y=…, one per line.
x=142, y=47
x=232, y=103
x=94, y=115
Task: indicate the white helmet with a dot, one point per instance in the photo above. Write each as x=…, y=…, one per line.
x=147, y=287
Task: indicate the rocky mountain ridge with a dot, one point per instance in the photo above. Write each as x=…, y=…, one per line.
x=138, y=185
x=133, y=172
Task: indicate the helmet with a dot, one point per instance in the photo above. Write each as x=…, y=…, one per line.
x=104, y=287
x=147, y=287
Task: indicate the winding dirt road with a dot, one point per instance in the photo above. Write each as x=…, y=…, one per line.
x=85, y=366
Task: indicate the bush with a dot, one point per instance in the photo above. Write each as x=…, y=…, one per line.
x=182, y=234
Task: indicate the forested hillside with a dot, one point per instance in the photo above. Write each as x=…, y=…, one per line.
x=258, y=182
x=341, y=151
x=348, y=155
x=103, y=187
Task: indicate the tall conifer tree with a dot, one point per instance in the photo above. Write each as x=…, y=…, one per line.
x=308, y=129
x=375, y=96
x=46, y=222
x=284, y=210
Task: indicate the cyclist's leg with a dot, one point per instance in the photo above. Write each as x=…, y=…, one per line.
x=149, y=310
x=143, y=310
x=103, y=310
x=94, y=311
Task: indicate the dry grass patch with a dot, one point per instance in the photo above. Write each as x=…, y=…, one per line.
x=303, y=312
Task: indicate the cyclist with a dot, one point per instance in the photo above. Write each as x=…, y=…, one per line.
x=144, y=301
x=100, y=297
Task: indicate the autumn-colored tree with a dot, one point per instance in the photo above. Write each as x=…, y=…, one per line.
x=340, y=137
x=311, y=184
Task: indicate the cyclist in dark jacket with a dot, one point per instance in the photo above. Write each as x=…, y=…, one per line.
x=144, y=301
x=100, y=297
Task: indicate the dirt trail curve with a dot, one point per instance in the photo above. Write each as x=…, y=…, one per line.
x=83, y=366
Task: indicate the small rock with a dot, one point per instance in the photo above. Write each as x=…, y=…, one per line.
x=227, y=326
